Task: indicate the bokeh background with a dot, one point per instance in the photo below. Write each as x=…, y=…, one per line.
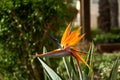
x=25, y=25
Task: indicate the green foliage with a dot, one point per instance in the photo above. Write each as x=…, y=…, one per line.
x=104, y=65
x=89, y=60
x=11, y=67
x=23, y=32
x=112, y=37
x=25, y=23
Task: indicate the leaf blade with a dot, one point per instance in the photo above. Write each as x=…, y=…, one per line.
x=51, y=72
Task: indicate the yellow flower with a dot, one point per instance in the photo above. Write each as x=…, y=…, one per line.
x=68, y=42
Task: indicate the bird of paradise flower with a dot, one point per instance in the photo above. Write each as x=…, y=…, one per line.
x=67, y=45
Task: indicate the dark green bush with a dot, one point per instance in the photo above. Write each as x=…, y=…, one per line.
x=23, y=32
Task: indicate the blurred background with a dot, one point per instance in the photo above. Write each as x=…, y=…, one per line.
x=24, y=25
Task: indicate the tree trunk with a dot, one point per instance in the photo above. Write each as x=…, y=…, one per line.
x=104, y=22
x=85, y=18
x=114, y=12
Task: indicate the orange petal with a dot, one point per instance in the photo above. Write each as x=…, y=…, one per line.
x=78, y=50
x=78, y=57
x=75, y=40
x=75, y=49
x=72, y=37
x=66, y=34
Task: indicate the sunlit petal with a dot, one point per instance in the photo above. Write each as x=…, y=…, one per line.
x=76, y=40
x=71, y=36
x=66, y=34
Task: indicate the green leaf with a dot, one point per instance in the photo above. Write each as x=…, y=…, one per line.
x=51, y=72
x=46, y=58
x=46, y=77
x=89, y=59
x=71, y=69
x=67, y=66
x=113, y=73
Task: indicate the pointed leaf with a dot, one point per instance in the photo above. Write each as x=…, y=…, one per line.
x=89, y=59
x=52, y=73
x=67, y=66
x=114, y=71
